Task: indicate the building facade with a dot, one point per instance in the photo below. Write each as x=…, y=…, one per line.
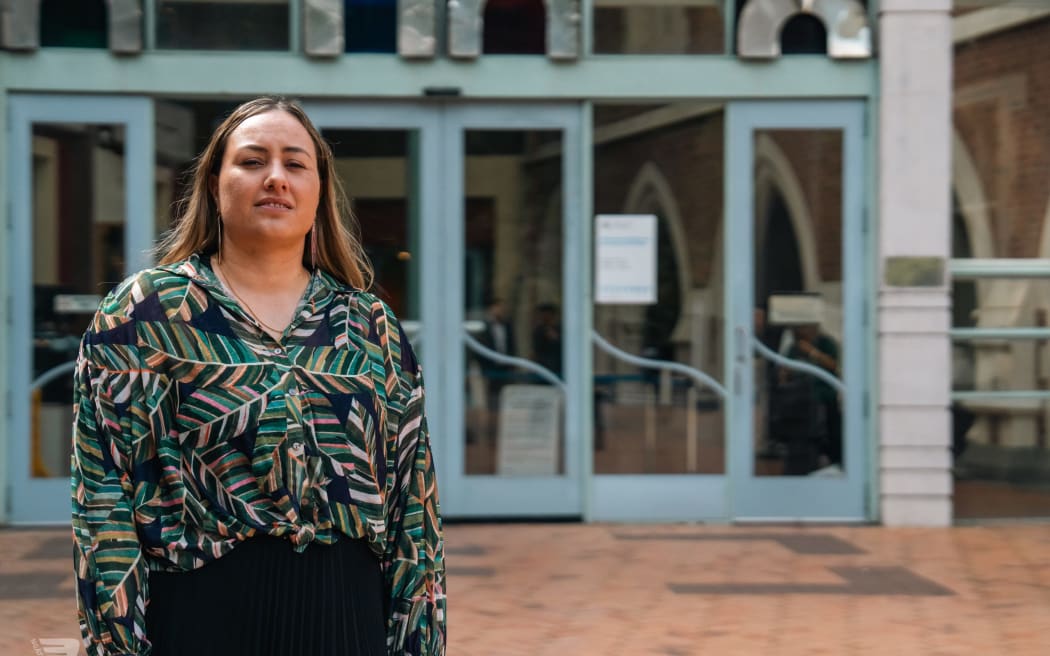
x=618, y=232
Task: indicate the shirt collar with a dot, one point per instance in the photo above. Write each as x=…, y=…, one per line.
x=197, y=268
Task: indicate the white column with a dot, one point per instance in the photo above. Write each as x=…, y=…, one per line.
x=915, y=211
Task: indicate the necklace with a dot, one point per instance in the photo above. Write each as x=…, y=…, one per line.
x=226, y=281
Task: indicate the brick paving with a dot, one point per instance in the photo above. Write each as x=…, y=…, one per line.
x=678, y=590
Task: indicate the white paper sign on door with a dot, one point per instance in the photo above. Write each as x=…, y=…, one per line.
x=529, y=428
x=625, y=259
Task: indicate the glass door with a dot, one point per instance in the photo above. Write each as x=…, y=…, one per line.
x=388, y=160
x=795, y=190
x=82, y=187
x=515, y=333
x=660, y=413
x=467, y=213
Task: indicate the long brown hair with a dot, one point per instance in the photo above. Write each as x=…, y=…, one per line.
x=196, y=229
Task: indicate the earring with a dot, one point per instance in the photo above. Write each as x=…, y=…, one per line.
x=313, y=246
x=219, y=252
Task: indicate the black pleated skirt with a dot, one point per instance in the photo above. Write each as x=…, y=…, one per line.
x=263, y=599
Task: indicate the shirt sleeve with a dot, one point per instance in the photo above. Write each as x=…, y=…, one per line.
x=107, y=558
x=414, y=563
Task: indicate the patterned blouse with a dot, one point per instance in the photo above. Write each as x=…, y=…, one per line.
x=195, y=430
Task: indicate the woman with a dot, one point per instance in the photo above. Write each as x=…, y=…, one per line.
x=252, y=470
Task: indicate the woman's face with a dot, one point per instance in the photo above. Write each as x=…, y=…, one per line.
x=268, y=187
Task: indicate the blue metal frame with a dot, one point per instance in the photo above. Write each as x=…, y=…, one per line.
x=683, y=497
x=402, y=86
x=440, y=160
x=36, y=500
x=428, y=182
x=375, y=76
x=464, y=495
x=791, y=498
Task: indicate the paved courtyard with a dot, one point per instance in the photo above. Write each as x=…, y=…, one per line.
x=676, y=590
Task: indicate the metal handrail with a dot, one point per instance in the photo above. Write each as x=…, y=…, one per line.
x=704, y=380
x=999, y=333
x=513, y=361
x=978, y=269
x=798, y=365
x=414, y=332
x=51, y=374
x=973, y=269
x=1002, y=395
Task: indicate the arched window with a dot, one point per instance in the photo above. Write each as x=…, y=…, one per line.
x=778, y=262
x=371, y=25
x=964, y=292
x=964, y=305
x=774, y=27
x=804, y=34
x=651, y=193
x=223, y=24
x=662, y=317
x=515, y=27
x=73, y=24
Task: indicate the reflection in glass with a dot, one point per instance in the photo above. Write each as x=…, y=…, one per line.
x=78, y=256
x=230, y=25
x=798, y=302
x=1000, y=166
x=638, y=27
x=1001, y=142
x=666, y=161
x=1000, y=457
x=174, y=150
x=999, y=446
x=377, y=170
x=512, y=302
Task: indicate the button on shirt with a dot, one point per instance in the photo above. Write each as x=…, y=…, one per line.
x=195, y=430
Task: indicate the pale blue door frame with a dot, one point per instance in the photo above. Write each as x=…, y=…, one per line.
x=439, y=161
x=438, y=154
x=518, y=496
x=438, y=157
x=426, y=176
x=740, y=494
x=777, y=498
x=47, y=500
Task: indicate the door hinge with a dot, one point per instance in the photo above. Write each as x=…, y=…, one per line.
x=8, y=502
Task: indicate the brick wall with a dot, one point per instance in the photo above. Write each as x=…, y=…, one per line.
x=1002, y=114
x=690, y=156
x=816, y=159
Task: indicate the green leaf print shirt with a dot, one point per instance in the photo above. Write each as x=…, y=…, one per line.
x=194, y=430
